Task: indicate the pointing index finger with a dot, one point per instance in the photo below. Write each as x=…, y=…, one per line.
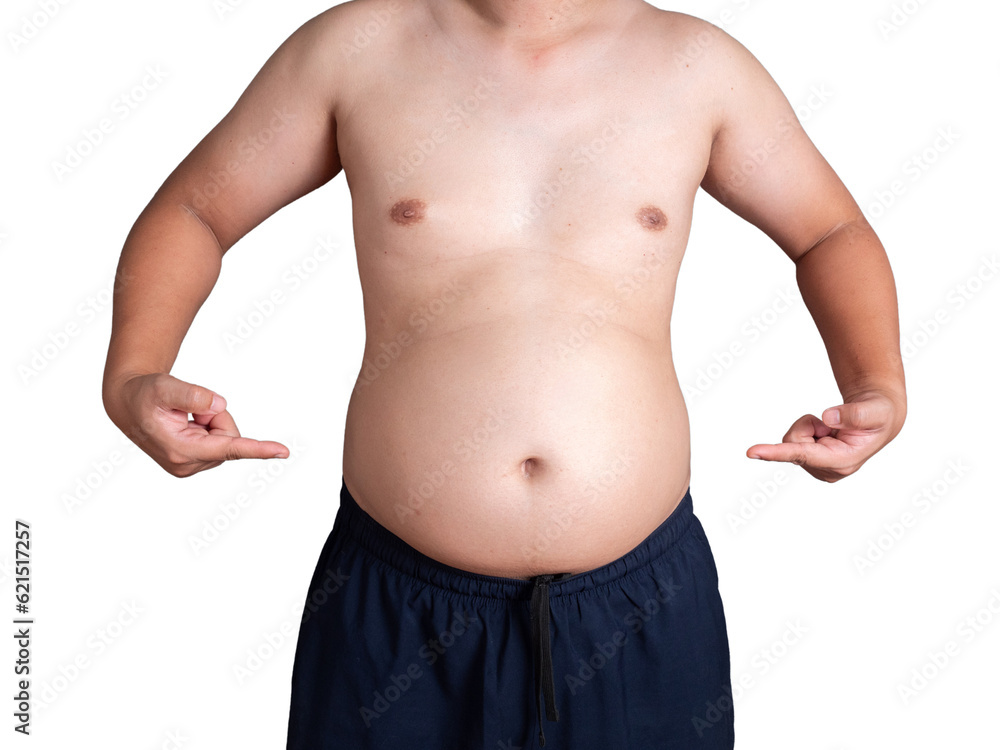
x=226, y=448
x=793, y=453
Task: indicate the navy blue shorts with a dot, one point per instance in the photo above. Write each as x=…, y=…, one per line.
x=396, y=650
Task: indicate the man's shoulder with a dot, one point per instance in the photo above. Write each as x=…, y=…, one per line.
x=350, y=27
x=351, y=13
x=692, y=41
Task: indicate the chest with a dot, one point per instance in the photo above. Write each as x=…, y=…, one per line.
x=581, y=154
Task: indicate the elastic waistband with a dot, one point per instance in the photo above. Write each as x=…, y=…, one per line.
x=393, y=551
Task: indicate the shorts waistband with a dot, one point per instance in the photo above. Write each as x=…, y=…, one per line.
x=395, y=552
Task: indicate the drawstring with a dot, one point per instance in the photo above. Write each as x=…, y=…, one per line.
x=542, y=651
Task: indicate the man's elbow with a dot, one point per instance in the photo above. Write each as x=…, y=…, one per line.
x=854, y=227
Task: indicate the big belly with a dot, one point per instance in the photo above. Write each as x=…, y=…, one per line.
x=524, y=444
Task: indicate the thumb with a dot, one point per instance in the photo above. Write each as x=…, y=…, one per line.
x=865, y=414
x=194, y=399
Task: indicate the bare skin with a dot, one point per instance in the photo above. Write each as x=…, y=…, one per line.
x=522, y=176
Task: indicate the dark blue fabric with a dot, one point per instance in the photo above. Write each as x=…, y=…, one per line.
x=397, y=650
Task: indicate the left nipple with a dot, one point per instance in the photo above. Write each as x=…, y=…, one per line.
x=652, y=218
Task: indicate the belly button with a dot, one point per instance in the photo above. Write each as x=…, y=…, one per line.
x=530, y=466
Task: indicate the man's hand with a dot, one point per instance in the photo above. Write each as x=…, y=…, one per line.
x=152, y=410
x=837, y=445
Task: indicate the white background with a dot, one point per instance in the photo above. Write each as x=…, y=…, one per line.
x=127, y=542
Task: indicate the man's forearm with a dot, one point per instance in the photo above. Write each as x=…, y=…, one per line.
x=168, y=267
x=847, y=285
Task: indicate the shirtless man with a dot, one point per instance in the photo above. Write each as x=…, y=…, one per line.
x=515, y=525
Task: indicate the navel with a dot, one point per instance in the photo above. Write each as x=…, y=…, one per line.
x=651, y=218
x=408, y=211
x=530, y=466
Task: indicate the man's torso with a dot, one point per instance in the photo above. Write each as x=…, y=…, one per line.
x=520, y=219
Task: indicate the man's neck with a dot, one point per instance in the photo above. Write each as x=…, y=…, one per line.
x=525, y=23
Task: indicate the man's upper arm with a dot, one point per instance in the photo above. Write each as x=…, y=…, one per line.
x=276, y=144
x=763, y=166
